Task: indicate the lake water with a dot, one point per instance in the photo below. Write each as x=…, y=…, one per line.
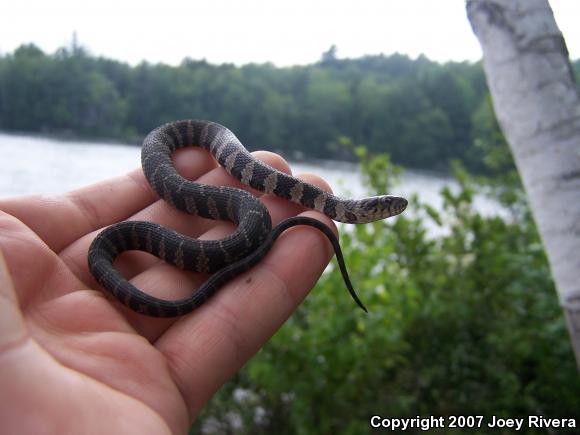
x=38, y=165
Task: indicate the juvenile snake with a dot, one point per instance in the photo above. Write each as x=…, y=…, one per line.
x=232, y=255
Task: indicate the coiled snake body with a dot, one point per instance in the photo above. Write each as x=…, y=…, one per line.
x=249, y=243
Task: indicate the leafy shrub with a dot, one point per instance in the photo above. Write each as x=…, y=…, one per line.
x=464, y=323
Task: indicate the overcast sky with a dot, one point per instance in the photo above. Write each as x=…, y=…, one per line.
x=284, y=32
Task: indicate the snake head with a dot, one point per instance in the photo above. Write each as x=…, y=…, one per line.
x=379, y=207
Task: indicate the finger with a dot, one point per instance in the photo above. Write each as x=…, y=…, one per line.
x=59, y=220
x=207, y=347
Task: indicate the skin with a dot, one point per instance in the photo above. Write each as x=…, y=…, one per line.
x=73, y=360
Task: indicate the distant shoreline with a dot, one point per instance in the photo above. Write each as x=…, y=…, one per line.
x=72, y=137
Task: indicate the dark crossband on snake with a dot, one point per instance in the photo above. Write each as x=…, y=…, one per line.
x=236, y=253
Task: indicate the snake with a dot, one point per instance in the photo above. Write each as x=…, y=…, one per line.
x=253, y=237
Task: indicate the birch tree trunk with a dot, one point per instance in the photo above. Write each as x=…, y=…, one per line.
x=537, y=105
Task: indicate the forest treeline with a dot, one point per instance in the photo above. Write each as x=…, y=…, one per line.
x=420, y=112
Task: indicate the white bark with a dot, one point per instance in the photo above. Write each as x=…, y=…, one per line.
x=538, y=107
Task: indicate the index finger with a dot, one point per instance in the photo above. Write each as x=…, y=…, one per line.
x=61, y=219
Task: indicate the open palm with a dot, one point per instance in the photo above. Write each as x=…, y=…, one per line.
x=72, y=360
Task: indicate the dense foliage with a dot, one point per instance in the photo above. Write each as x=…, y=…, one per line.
x=418, y=111
x=467, y=323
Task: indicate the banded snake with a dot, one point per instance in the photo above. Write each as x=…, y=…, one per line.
x=236, y=253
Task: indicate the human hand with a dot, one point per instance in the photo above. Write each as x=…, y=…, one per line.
x=73, y=360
